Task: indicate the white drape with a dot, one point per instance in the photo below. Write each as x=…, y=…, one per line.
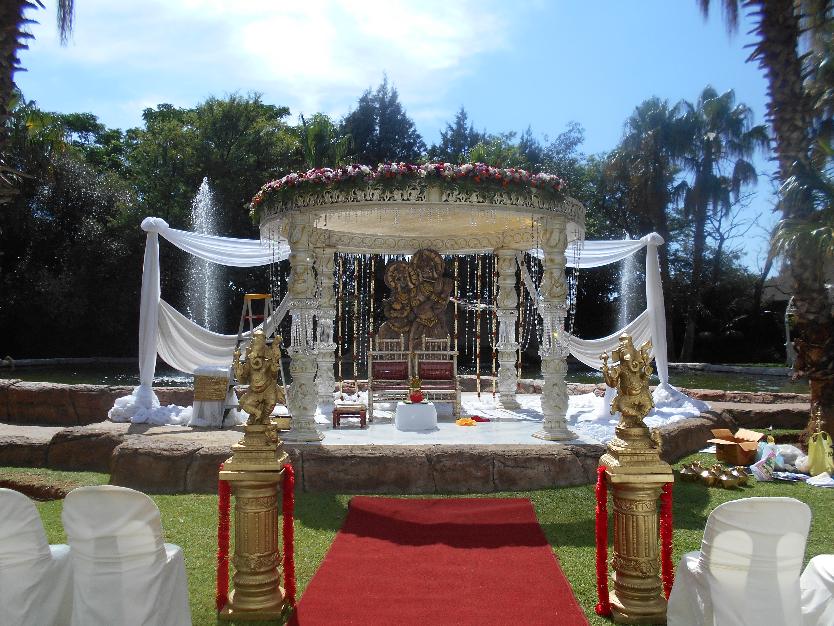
x=651, y=324
x=185, y=345
x=221, y=250
x=588, y=350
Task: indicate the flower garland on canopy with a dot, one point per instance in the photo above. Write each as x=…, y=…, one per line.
x=468, y=175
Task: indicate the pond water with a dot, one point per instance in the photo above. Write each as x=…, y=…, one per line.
x=167, y=377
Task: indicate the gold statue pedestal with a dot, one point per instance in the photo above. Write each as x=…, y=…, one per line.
x=254, y=473
x=636, y=474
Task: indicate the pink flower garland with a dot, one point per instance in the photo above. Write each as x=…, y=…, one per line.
x=475, y=172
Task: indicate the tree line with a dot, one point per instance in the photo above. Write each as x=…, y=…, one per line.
x=71, y=250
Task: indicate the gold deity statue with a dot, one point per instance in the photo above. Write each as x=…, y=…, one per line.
x=630, y=377
x=260, y=371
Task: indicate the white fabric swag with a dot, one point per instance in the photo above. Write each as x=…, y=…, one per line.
x=650, y=324
x=181, y=343
x=185, y=345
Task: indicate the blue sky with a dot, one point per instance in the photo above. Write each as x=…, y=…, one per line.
x=510, y=64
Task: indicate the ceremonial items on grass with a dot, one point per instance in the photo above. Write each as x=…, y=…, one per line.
x=637, y=476
x=715, y=476
x=255, y=472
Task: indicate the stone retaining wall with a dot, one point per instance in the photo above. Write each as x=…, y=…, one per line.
x=171, y=459
x=57, y=404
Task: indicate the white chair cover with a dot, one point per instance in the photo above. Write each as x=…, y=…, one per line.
x=124, y=573
x=747, y=572
x=35, y=578
x=817, y=584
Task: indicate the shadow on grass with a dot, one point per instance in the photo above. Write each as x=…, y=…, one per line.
x=321, y=511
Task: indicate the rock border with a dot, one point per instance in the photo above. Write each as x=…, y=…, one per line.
x=187, y=462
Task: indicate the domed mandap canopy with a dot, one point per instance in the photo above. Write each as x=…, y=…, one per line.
x=440, y=208
x=400, y=208
x=507, y=235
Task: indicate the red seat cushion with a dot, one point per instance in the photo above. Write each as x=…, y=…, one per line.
x=390, y=370
x=435, y=370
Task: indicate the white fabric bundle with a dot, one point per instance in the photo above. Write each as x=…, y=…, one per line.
x=817, y=584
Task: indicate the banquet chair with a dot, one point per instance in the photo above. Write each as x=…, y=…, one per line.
x=817, y=585
x=35, y=578
x=747, y=571
x=123, y=572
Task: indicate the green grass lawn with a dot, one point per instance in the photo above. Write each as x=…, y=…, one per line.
x=565, y=514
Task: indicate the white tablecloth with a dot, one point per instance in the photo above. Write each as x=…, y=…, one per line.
x=415, y=416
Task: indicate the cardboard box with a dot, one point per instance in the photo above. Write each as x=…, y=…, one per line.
x=738, y=449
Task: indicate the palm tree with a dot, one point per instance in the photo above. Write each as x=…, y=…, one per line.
x=723, y=141
x=13, y=39
x=782, y=27
x=644, y=166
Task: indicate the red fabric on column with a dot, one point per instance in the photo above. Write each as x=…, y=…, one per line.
x=667, y=568
x=289, y=533
x=223, y=504
x=603, y=607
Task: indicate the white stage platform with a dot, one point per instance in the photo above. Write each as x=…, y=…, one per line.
x=586, y=418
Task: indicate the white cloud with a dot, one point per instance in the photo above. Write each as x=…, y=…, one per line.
x=315, y=55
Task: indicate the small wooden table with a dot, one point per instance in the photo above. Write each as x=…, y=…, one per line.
x=350, y=410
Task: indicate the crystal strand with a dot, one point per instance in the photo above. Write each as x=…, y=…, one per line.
x=478, y=327
x=340, y=314
x=494, y=320
x=355, y=319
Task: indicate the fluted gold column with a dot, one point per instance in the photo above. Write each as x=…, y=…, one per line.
x=254, y=473
x=636, y=474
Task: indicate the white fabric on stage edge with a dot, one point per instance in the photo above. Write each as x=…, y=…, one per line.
x=747, y=571
x=35, y=578
x=123, y=572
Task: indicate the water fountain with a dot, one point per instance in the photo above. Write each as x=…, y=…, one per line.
x=203, y=276
x=630, y=290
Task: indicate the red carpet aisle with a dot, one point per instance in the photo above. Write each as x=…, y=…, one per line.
x=439, y=561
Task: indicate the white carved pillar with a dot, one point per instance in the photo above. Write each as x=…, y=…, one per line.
x=553, y=349
x=325, y=317
x=302, y=348
x=506, y=303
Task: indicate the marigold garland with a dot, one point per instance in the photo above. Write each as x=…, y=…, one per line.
x=603, y=607
x=289, y=533
x=224, y=493
x=667, y=567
